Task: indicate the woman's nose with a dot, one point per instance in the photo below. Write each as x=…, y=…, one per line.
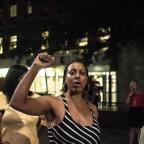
x=77, y=75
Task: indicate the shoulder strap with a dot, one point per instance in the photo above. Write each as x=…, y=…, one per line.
x=65, y=102
x=91, y=110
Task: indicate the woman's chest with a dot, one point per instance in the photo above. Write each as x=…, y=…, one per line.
x=138, y=100
x=81, y=115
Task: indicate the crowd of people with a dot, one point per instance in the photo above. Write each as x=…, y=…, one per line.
x=72, y=117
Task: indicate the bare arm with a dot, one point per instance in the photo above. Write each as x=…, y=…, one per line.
x=128, y=98
x=20, y=101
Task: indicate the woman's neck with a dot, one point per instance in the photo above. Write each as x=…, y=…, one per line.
x=76, y=98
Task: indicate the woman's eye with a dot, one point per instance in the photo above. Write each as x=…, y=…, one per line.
x=71, y=72
x=82, y=72
x=74, y=72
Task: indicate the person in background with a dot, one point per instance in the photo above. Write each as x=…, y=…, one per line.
x=3, y=100
x=3, y=104
x=141, y=135
x=1, y=115
x=17, y=127
x=73, y=119
x=135, y=101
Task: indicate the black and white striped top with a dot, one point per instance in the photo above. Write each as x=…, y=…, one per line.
x=70, y=132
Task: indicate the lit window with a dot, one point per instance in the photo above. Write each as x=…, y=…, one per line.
x=45, y=42
x=13, y=10
x=104, y=49
x=83, y=42
x=104, y=34
x=3, y=72
x=1, y=46
x=105, y=38
x=13, y=42
x=29, y=7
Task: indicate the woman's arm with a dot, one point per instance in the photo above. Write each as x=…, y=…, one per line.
x=128, y=98
x=20, y=100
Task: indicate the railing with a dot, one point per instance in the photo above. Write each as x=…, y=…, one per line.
x=113, y=106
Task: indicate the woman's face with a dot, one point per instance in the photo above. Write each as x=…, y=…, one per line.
x=133, y=85
x=76, y=77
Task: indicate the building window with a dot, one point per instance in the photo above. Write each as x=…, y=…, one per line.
x=1, y=46
x=13, y=42
x=13, y=10
x=83, y=42
x=45, y=42
x=29, y=10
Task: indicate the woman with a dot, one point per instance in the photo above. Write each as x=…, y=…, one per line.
x=135, y=102
x=17, y=127
x=73, y=119
x=3, y=100
x=1, y=115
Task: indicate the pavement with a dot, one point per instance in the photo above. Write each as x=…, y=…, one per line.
x=114, y=136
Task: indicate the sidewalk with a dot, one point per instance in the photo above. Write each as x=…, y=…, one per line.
x=114, y=136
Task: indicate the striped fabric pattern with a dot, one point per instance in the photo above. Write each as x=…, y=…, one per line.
x=70, y=132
